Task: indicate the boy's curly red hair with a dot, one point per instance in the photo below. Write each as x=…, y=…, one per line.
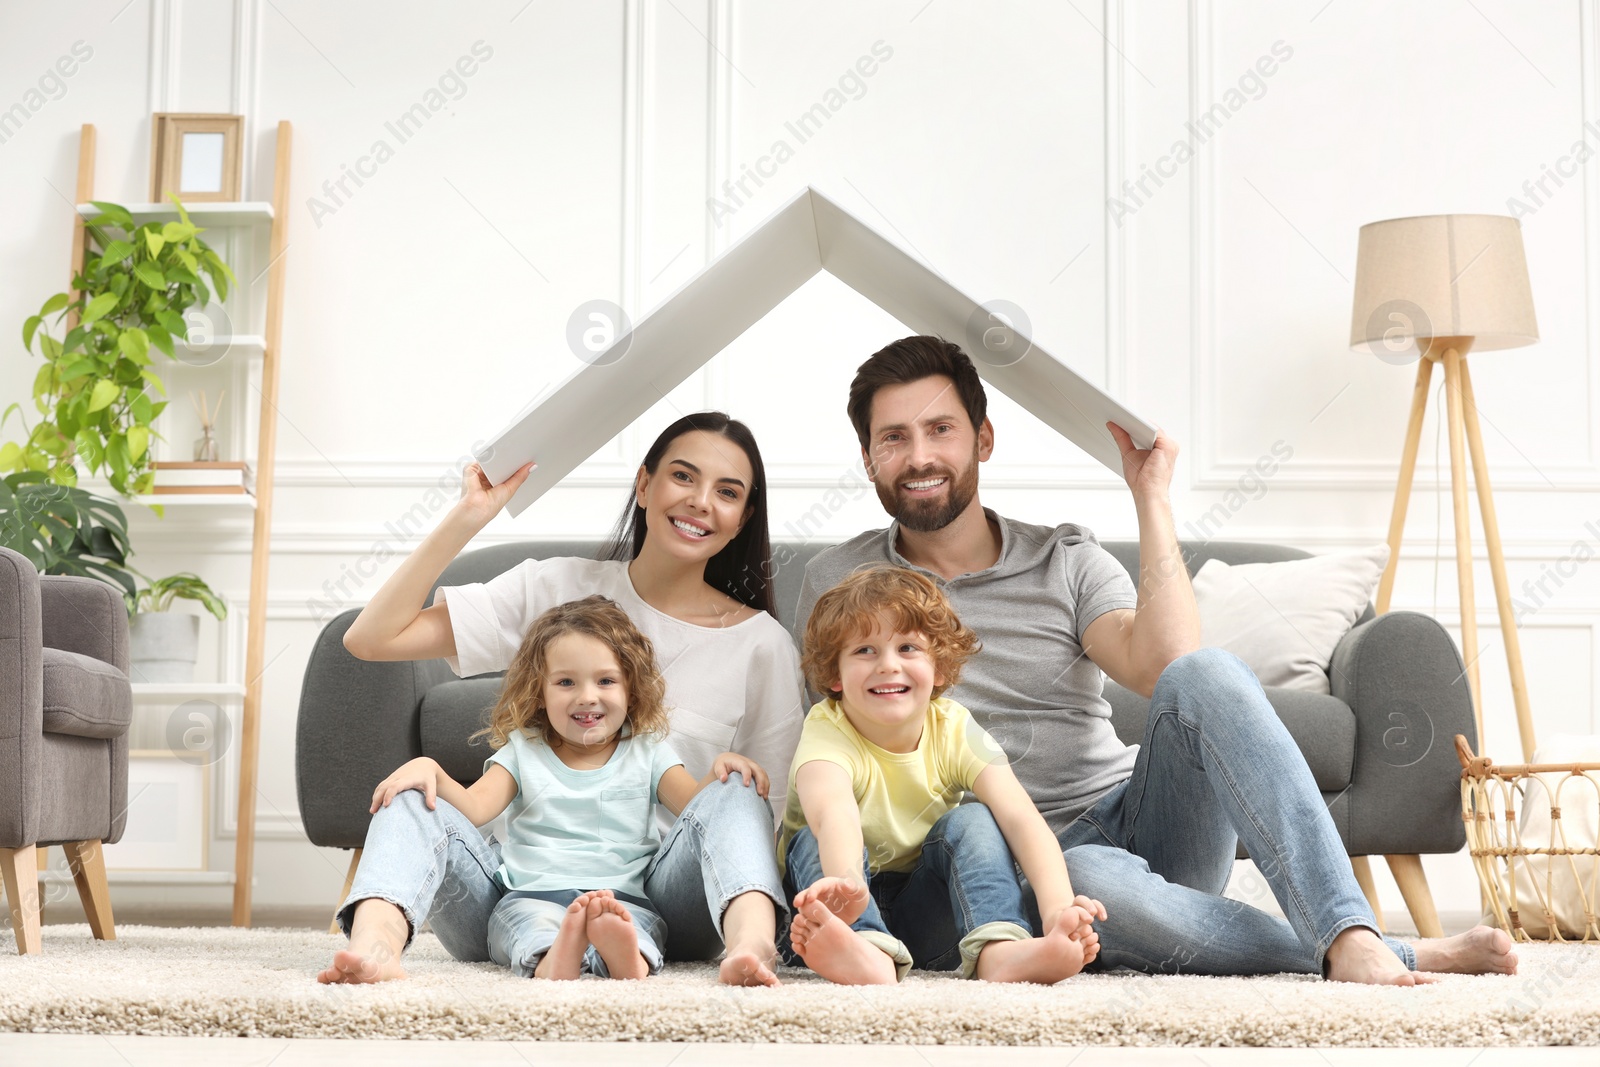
x=905, y=600
x=521, y=703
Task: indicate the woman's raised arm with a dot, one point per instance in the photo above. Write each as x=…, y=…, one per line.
x=394, y=625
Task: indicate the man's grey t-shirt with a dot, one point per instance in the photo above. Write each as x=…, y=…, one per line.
x=1031, y=686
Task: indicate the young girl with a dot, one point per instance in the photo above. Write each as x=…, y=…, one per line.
x=581, y=763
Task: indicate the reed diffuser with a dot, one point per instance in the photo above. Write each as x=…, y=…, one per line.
x=205, y=447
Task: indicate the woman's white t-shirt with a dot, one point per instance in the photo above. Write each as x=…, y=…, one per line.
x=729, y=689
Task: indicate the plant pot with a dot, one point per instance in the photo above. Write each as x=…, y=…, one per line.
x=163, y=646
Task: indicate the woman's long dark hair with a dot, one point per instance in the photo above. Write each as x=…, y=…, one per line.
x=743, y=569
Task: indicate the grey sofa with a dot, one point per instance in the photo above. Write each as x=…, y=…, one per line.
x=1379, y=746
x=64, y=720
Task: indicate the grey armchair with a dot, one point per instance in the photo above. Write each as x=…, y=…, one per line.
x=1379, y=745
x=64, y=724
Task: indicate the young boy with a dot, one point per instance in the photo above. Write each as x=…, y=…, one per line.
x=880, y=771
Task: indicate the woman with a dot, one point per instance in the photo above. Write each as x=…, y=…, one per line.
x=690, y=564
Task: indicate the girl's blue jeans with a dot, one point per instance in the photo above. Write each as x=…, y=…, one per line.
x=436, y=866
x=962, y=894
x=524, y=925
x=1216, y=767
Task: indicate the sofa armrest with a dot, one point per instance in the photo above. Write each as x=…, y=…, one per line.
x=86, y=616
x=1404, y=679
x=358, y=721
x=21, y=700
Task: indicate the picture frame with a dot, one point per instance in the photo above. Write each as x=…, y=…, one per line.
x=195, y=156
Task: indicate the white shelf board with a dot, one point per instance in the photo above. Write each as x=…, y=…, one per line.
x=220, y=213
x=236, y=501
x=242, y=501
x=155, y=690
x=250, y=345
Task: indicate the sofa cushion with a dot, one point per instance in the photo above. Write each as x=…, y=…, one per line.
x=452, y=712
x=1323, y=726
x=85, y=697
x=1285, y=619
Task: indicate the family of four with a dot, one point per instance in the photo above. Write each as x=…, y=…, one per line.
x=886, y=828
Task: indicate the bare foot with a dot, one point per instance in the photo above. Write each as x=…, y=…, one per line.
x=563, y=961
x=612, y=933
x=1086, y=935
x=846, y=899
x=749, y=931
x=377, y=938
x=1091, y=945
x=1359, y=955
x=749, y=967
x=837, y=952
x=1082, y=929
x=1046, y=960
x=352, y=968
x=1481, y=950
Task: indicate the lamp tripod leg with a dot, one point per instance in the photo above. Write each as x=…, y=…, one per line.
x=1497, y=568
x=1463, y=524
x=1402, y=490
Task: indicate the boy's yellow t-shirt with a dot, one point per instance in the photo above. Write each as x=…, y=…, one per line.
x=900, y=794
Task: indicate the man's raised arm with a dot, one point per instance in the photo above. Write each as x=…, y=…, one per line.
x=1134, y=647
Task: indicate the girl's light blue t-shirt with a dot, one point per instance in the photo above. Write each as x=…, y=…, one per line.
x=571, y=829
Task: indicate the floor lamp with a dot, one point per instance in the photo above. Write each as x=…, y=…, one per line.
x=1430, y=288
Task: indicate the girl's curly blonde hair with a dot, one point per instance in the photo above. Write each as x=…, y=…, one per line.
x=521, y=704
x=906, y=600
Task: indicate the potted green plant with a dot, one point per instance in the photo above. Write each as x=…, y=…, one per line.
x=63, y=529
x=96, y=390
x=164, y=645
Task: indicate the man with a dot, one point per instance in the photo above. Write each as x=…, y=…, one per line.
x=1150, y=831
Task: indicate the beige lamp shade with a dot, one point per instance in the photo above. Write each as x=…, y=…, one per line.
x=1441, y=276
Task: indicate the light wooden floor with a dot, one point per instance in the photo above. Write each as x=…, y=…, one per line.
x=261, y=1052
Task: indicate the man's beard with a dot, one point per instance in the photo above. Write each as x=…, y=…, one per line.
x=926, y=516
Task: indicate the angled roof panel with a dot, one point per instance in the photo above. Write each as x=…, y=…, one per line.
x=922, y=299
x=737, y=290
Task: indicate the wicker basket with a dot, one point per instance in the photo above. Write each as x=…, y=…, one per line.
x=1537, y=884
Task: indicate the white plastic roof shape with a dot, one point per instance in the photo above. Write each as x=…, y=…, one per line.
x=736, y=290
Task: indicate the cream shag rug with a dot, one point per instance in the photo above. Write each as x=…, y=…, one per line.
x=259, y=983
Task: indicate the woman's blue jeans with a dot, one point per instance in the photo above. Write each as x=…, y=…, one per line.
x=436, y=865
x=1216, y=767
x=962, y=894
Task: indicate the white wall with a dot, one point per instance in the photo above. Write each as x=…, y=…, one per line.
x=428, y=305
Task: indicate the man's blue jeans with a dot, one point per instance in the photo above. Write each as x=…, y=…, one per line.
x=962, y=894
x=1216, y=767
x=436, y=865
